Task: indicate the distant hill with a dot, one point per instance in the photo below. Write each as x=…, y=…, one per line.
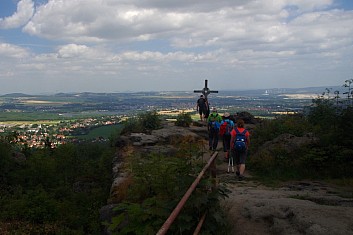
x=304, y=90
x=12, y=95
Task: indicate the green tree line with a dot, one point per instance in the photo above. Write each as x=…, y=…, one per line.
x=57, y=191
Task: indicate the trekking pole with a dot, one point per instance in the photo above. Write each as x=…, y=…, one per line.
x=228, y=164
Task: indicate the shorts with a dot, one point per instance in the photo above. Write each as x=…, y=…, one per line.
x=239, y=157
x=203, y=111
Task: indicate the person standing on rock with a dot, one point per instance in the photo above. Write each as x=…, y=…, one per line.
x=202, y=107
x=240, y=143
x=213, y=124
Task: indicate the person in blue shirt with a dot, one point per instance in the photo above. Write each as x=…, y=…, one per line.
x=226, y=128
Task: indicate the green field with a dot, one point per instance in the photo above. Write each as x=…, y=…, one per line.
x=103, y=131
x=27, y=116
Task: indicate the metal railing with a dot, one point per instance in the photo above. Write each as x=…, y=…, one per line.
x=210, y=165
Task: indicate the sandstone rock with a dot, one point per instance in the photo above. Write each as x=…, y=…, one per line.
x=163, y=141
x=142, y=139
x=247, y=117
x=262, y=210
x=289, y=142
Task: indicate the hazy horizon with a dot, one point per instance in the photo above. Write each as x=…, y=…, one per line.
x=319, y=88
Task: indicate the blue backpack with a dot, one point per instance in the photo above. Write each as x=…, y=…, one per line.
x=240, y=140
x=213, y=123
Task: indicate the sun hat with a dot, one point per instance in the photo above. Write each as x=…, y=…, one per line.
x=226, y=115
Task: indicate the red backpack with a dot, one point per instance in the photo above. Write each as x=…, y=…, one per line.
x=225, y=128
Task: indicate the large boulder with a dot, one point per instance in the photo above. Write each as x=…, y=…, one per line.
x=290, y=142
x=246, y=116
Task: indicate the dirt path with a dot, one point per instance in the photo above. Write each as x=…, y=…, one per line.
x=305, y=207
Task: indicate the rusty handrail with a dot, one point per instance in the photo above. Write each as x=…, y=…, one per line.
x=163, y=230
x=199, y=225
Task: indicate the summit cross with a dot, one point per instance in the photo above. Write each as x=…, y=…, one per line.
x=205, y=91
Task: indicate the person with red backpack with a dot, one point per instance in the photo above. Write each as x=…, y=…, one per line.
x=226, y=128
x=240, y=142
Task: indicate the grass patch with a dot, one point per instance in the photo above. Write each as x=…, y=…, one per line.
x=29, y=116
x=103, y=131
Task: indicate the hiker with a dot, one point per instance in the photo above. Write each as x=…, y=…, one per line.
x=214, y=122
x=234, y=117
x=202, y=107
x=226, y=128
x=240, y=142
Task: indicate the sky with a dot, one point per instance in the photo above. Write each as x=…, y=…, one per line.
x=51, y=46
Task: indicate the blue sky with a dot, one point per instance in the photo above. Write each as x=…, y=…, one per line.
x=49, y=46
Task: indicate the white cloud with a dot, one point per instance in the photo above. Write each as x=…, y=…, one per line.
x=158, y=39
x=189, y=24
x=73, y=50
x=12, y=51
x=25, y=10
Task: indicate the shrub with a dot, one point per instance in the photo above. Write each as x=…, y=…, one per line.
x=183, y=119
x=144, y=122
x=150, y=121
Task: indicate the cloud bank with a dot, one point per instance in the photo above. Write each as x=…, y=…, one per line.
x=115, y=45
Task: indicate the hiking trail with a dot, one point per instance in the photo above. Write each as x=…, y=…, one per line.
x=297, y=207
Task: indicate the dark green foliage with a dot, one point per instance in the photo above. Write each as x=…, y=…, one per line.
x=60, y=193
x=322, y=113
x=345, y=127
x=183, y=119
x=150, y=120
x=331, y=156
x=144, y=123
x=159, y=184
x=269, y=129
x=7, y=165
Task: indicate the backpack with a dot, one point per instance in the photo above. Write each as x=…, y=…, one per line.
x=240, y=140
x=201, y=103
x=225, y=128
x=213, y=123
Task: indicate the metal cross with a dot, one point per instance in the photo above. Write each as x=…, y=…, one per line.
x=205, y=91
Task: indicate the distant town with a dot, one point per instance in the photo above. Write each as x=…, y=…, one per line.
x=39, y=121
x=51, y=133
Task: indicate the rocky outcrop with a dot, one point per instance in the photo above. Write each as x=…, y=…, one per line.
x=295, y=208
x=246, y=116
x=289, y=142
x=162, y=141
